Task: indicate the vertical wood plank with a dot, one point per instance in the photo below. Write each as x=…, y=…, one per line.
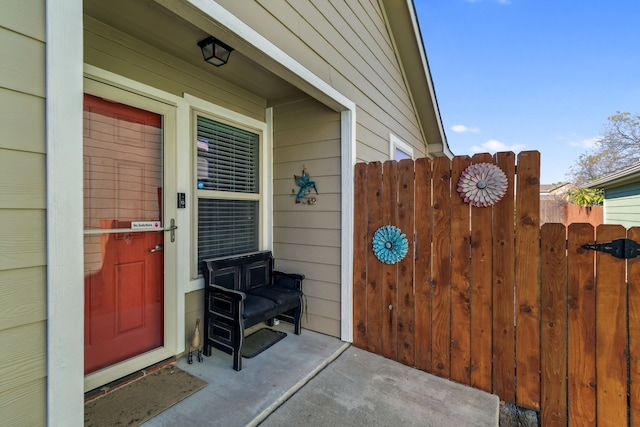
x=360, y=257
x=503, y=284
x=581, y=329
x=422, y=335
x=633, y=274
x=527, y=280
x=374, y=266
x=553, y=335
x=460, y=283
x=406, y=299
x=441, y=274
x=481, y=299
x=389, y=271
x=611, y=328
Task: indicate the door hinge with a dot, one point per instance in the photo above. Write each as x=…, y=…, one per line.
x=619, y=248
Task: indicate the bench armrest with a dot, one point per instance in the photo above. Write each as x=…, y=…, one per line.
x=235, y=296
x=226, y=304
x=288, y=280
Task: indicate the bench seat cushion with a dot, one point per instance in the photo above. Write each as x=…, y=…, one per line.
x=256, y=306
x=278, y=294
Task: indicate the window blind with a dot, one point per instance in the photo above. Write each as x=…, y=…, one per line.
x=226, y=227
x=227, y=158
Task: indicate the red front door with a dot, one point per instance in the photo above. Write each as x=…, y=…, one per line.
x=123, y=241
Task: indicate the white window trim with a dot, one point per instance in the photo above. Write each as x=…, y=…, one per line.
x=216, y=112
x=396, y=143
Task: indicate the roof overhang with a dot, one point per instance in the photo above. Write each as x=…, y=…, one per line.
x=405, y=30
x=623, y=176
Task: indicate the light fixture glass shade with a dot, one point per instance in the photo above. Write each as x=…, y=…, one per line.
x=214, y=51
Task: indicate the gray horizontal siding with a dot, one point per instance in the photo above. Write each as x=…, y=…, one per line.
x=347, y=44
x=23, y=303
x=622, y=205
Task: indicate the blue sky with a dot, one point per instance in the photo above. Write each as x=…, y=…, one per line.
x=531, y=74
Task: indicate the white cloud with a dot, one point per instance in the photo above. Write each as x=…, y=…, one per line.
x=585, y=143
x=463, y=129
x=493, y=145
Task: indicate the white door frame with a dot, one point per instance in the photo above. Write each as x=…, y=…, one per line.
x=126, y=91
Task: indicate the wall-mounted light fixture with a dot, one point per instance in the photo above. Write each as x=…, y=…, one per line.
x=214, y=51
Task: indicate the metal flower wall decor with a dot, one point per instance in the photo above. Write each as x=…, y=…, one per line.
x=389, y=244
x=482, y=184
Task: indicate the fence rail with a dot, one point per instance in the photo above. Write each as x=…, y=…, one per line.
x=492, y=300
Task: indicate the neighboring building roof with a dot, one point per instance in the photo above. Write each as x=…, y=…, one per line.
x=409, y=45
x=620, y=177
x=557, y=189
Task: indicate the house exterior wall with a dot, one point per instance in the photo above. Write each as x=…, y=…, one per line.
x=306, y=238
x=23, y=309
x=622, y=205
x=348, y=45
x=122, y=54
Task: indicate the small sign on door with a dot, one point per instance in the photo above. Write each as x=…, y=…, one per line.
x=146, y=225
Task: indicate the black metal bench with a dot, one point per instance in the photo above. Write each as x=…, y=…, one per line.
x=242, y=291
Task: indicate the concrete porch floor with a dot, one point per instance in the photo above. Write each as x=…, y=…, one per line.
x=316, y=380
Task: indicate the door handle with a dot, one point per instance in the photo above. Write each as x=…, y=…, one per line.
x=172, y=228
x=158, y=248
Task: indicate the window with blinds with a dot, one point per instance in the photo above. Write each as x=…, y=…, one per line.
x=227, y=172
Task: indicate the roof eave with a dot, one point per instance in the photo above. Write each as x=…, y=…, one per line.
x=406, y=32
x=616, y=179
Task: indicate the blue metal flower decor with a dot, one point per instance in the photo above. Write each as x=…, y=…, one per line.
x=389, y=244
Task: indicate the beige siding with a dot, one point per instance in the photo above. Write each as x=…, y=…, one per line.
x=307, y=237
x=22, y=214
x=112, y=50
x=347, y=44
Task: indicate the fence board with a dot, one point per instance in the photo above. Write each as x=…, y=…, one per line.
x=581, y=327
x=553, y=335
x=360, y=257
x=422, y=267
x=389, y=271
x=633, y=274
x=406, y=310
x=374, y=267
x=527, y=284
x=460, y=284
x=611, y=328
x=481, y=299
x=441, y=270
x=503, y=285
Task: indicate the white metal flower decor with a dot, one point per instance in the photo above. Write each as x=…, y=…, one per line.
x=389, y=244
x=482, y=184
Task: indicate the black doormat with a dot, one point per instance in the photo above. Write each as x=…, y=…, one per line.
x=259, y=341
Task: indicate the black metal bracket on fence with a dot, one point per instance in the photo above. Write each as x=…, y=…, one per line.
x=619, y=248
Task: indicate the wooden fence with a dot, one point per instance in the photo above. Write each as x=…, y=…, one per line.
x=491, y=300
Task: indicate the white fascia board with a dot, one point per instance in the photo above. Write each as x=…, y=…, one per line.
x=65, y=271
x=255, y=39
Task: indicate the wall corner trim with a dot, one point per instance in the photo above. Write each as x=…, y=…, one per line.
x=65, y=294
